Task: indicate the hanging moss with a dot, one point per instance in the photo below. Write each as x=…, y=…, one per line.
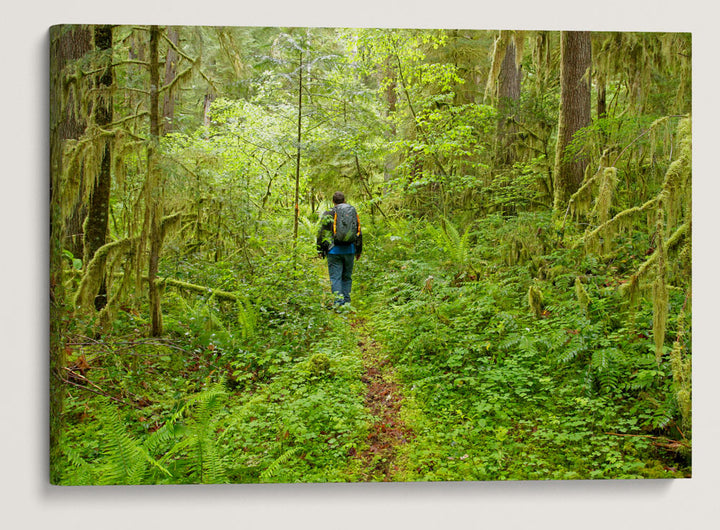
x=616, y=221
x=676, y=186
x=660, y=292
x=499, y=48
x=682, y=372
x=95, y=271
x=608, y=183
x=535, y=300
x=582, y=295
x=668, y=216
x=637, y=57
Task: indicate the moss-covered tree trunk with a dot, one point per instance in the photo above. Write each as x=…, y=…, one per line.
x=576, y=58
x=67, y=44
x=508, y=100
x=171, y=60
x=154, y=188
x=96, y=225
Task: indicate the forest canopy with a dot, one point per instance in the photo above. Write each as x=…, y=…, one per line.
x=524, y=294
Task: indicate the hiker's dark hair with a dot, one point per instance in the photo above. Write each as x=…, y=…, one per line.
x=338, y=197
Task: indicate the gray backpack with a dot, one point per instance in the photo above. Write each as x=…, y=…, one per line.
x=346, y=224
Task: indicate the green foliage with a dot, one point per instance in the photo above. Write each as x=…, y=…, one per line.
x=454, y=246
x=529, y=344
x=183, y=450
x=500, y=394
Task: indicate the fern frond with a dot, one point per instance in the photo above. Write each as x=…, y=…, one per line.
x=126, y=463
x=273, y=468
x=308, y=228
x=247, y=318
x=79, y=472
x=449, y=239
x=206, y=462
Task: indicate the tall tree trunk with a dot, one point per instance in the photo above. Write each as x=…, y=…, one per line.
x=575, y=65
x=508, y=100
x=98, y=211
x=171, y=60
x=391, y=100
x=154, y=188
x=67, y=44
x=299, y=150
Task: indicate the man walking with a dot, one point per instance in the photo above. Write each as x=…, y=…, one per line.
x=339, y=239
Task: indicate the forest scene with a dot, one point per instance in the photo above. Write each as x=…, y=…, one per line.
x=521, y=308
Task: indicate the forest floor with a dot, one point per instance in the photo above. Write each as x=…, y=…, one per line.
x=384, y=399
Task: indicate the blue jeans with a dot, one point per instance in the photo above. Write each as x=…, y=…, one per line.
x=340, y=267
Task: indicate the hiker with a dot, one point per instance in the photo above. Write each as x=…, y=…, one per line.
x=339, y=240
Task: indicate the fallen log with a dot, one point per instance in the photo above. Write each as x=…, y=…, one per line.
x=217, y=293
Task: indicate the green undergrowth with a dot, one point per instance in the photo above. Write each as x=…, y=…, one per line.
x=501, y=385
x=263, y=390
x=518, y=358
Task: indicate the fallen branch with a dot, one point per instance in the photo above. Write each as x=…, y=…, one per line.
x=665, y=442
x=97, y=392
x=217, y=293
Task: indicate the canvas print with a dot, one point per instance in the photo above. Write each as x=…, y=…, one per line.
x=309, y=254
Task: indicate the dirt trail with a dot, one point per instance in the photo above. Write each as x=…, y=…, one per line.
x=384, y=400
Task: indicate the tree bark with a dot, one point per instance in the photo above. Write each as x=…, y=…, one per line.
x=171, y=60
x=508, y=100
x=574, y=112
x=67, y=44
x=98, y=211
x=154, y=200
x=207, y=103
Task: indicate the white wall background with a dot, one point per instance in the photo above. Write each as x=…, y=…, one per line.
x=27, y=500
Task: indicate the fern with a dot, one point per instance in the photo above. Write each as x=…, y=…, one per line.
x=573, y=351
x=197, y=453
x=308, y=228
x=247, y=318
x=189, y=450
x=273, y=468
x=455, y=246
x=80, y=472
x=126, y=459
x=606, y=369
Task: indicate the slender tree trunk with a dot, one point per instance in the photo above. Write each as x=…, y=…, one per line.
x=297, y=161
x=601, y=98
x=154, y=198
x=209, y=98
x=391, y=100
x=99, y=208
x=171, y=60
x=574, y=112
